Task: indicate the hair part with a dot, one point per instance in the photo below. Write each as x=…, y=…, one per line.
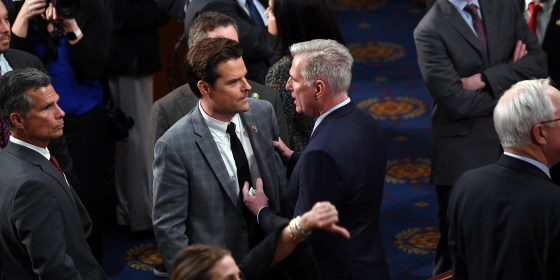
x=325, y=60
x=14, y=86
x=203, y=60
x=524, y=105
x=196, y=261
x=300, y=21
x=207, y=22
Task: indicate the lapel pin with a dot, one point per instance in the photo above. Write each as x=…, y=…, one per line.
x=558, y=22
x=255, y=95
x=254, y=129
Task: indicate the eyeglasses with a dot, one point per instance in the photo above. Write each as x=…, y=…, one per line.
x=543, y=122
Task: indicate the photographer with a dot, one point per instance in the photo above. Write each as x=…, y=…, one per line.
x=72, y=43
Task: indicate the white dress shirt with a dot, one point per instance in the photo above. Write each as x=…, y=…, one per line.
x=218, y=130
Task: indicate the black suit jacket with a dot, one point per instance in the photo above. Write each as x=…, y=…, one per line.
x=551, y=44
x=43, y=224
x=20, y=59
x=503, y=223
x=448, y=50
x=257, y=43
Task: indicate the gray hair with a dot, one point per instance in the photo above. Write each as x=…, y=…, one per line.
x=527, y=103
x=325, y=60
x=207, y=22
x=14, y=86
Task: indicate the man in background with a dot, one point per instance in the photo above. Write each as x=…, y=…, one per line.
x=503, y=217
x=469, y=52
x=43, y=224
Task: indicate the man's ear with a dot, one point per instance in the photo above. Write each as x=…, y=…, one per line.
x=539, y=134
x=204, y=88
x=320, y=88
x=17, y=120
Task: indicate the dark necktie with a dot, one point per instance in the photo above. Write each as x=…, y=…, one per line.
x=243, y=172
x=534, y=10
x=4, y=134
x=254, y=13
x=477, y=24
x=55, y=163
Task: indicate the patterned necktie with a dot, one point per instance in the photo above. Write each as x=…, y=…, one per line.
x=4, y=134
x=477, y=23
x=534, y=10
x=254, y=13
x=243, y=172
x=55, y=163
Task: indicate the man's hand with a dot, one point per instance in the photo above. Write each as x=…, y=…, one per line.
x=519, y=52
x=323, y=216
x=29, y=9
x=256, y=201
x=283, y=150
x=473, y=82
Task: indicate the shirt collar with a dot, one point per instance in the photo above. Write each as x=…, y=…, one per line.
x=538, y=164
x=43, y=151
x=323, y=116
x=461, y=4
x=545, y=5
x=217, y=125
x=4, y=65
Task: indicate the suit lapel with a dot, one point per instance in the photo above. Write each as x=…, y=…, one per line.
x=210, y=151
x=42, y=163
x=452, y=16
x=254, y=128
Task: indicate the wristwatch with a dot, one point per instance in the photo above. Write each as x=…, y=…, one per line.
x=71, y=36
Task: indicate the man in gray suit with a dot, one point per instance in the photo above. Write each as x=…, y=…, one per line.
x=43, y=224
x=196, y=185
x=169, y=109
x=469, y=53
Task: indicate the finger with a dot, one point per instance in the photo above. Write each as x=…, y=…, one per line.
x=340, y=231
x=259, y=184
x=245, y=189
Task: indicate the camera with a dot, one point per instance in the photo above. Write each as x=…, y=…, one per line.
x=65, y=8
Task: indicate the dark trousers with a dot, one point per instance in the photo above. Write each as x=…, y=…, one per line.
x=442, y=260
x=86, y=136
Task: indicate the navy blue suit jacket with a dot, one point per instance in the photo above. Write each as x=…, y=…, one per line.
x=344, y=163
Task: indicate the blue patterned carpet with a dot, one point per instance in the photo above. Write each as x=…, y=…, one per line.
x=388, y=85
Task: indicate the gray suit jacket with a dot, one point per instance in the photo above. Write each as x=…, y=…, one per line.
x=195, y=200
x=43, y=224
x=463, y=131
x=169, y=109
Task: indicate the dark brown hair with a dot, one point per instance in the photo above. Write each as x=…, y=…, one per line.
x=194, y=262
x=203, y=59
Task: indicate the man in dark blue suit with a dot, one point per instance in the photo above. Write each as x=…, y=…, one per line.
x=503, y=217
x=344, y=163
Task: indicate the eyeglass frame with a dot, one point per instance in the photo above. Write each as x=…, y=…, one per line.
x=554, y=120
